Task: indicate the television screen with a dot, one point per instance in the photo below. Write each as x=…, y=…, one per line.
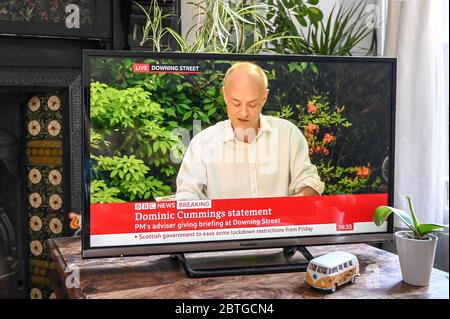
x=204, y=152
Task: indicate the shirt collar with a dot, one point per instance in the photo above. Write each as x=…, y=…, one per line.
x=264, y=126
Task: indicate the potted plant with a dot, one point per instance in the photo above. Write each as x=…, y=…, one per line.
x=416, y=247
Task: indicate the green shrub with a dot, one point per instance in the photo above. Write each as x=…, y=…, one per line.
x=133, y=118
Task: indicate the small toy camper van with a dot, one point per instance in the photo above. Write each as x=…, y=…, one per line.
x=331, y=270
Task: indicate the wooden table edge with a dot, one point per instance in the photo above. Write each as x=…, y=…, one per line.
x=61, y=266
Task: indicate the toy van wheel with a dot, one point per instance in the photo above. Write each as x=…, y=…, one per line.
x=333, y=288
x=353, y=280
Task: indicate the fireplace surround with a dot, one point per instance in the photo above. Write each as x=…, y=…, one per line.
x=45, y=154
x=40, y=63
x=48, y=143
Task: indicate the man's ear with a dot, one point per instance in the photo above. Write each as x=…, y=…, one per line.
x=266, y=96
x=223, y=93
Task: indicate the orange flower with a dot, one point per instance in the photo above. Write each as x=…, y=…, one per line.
x=312, y=108
x=36, y=247
x=35, y=293
x=34, y=104
x=55, y=177
x=35, y=176
x=35, y=200
x=311, y=151
x=54, y=128
x=311, y=128
x=35, y=223
x=328, y=138
x=363, y=172
x=53, y=103
x=56, y=226
x=307, y=135
x=34, y=128
x=55, y=201
x=319, y=149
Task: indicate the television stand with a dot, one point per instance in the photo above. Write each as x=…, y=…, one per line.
x=262, y=261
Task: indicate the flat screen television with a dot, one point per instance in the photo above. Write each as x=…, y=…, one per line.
x=166, y=170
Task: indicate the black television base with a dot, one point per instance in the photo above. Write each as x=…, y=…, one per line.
x=245, y=264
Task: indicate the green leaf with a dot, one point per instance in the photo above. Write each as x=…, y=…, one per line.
x=315, y=14
x=186, y=115
x=382, y=213
x=411, y=209
x=184, y=106
x=302, y=22
x=163, y=148
x=148, y=150
x=424, y=229
x=294, y=66
x=170, y=111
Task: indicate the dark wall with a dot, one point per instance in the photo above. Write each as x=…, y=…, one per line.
x=35, y=52
x=49, y=57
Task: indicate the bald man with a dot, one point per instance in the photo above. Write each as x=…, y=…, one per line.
x=249, y=155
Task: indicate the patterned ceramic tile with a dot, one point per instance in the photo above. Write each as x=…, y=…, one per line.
x=45, y=187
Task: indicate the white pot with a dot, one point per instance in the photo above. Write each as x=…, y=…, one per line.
x=416, y=257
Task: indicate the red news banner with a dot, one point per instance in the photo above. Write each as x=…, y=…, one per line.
x=343, y=211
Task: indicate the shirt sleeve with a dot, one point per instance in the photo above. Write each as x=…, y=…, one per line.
x=191, y=178
x=302, y=172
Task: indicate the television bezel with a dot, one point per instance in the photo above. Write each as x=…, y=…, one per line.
x=235, y=244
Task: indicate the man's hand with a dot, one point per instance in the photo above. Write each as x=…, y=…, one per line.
x=307, y=191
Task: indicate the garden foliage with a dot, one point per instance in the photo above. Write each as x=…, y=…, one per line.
x=136, y=148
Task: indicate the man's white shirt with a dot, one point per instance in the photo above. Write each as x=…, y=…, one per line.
x=276, y=163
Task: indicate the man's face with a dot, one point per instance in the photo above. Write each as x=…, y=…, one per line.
x=244, y=95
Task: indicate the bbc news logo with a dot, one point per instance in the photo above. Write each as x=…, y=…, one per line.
x=144, y=206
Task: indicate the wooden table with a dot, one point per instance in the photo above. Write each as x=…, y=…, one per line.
x=162, y=277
